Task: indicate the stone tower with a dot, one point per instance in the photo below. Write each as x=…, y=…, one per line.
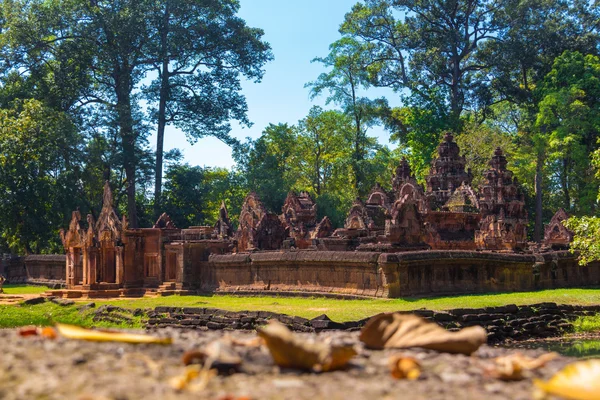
x=502, y=205
x=447, y=173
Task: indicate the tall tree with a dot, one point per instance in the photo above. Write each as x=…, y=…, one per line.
x=201, y=49
x=113, y=37
x=536, y=32
x=569, y=114
x=418, y=44
x=40, y=156
x=343, y=83
x=323, y=145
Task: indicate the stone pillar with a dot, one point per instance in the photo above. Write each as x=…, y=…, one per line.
x=119, y=264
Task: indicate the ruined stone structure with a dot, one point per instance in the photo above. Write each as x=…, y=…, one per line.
x=474, y=240
x=502, y=205
x=299, y=218
x=556, y=235
x=447, y=173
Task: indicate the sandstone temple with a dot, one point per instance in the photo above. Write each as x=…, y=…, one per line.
x=446, y=237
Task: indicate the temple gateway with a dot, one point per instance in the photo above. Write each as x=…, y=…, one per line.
x=448, y=237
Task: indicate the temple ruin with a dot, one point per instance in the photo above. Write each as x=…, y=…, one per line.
x=446, y=237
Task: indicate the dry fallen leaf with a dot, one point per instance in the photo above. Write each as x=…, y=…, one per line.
x=218, y=353
x=577, y=381
x=400, y=331
x=403, y=367
x=76, y=332
x=292, y=351
x=254, y=342
x=28, y=331
x=516, y=366
x=46, y=332
x=194, y=378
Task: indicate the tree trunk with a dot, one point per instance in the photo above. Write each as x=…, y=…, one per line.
x=455, y=100
x=162, y=113
x=128, y=137
x=538, y=199
x=565, y=184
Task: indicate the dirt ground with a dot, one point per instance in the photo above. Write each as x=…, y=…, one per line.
x=38, y=368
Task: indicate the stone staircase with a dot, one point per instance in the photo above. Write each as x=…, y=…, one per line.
x=167, y=289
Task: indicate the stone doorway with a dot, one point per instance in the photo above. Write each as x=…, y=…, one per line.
x=108, y=269
x=171, y=269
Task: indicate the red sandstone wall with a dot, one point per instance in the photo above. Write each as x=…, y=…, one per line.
x=40, y=269
x=399, y=274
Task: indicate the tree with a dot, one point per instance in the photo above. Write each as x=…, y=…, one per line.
x=343, y=83
x=113, y=38
x=323, y=145
x=418, y=44
x=477, y=143
x=265, y=164
x=569, y=115
x=535, y=33
x=201, y=50
x=40, y=154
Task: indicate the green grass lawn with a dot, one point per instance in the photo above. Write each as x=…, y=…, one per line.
x=24, y=289
x=339, y=310
x=587, y=324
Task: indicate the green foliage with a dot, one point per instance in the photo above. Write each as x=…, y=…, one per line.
x=588, y=324
x=265, y=164
x=343, y=83
x=417, y=128
x=569, y=115
x=39, y=156
x=201, y=51
x=193, y=195
x=416, y=45
x=316, y=156
x=478, y=142
x=586, y=233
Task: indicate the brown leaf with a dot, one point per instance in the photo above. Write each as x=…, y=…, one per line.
x=194, y=377
x=291, y=351
x=403, y=367
x=515, y=367
x=219, y=354
x=401, y=331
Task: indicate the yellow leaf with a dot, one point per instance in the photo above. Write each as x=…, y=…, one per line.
x=76, y=332
x=577, y=381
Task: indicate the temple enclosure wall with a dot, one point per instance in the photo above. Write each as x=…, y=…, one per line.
x=369, y=274
x=36, y=269
x=419, y=273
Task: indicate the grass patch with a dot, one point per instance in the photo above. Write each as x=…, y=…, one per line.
x=588, y=324
x=24, y=289
x=349, y=310
x=338, y=310
x=48, y=313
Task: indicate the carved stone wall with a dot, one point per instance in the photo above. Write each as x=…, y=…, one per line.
x=398, y=274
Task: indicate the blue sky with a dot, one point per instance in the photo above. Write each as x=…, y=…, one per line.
x=298, y=31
